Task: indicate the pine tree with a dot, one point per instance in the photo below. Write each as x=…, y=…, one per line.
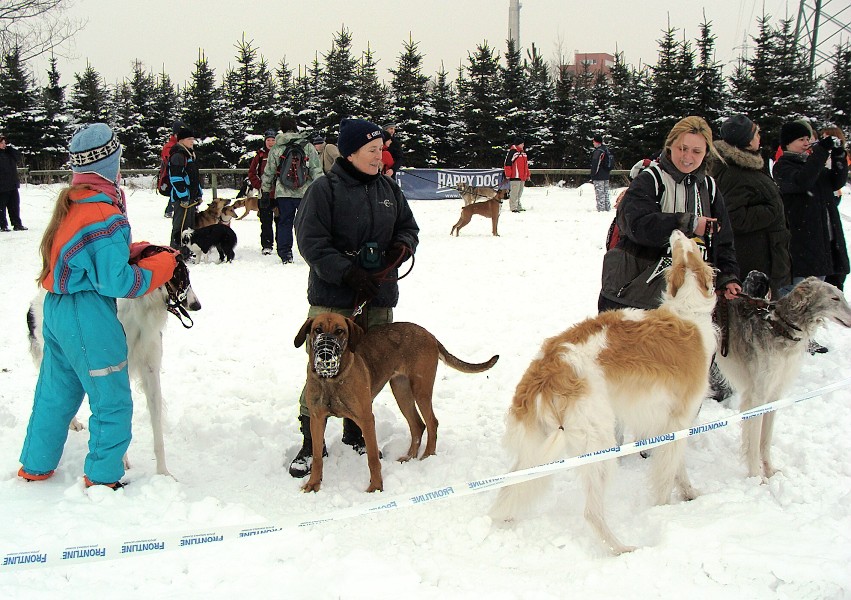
x=126, y=125
x=202, y=113
x=89, y=100
x=670, y=88
x=284, y=95
x=17, y=105
x=838, y=89
x=410, y=101
x=166, y=108
x=539, y=92
x=244, y=107
x=562, y=123
x=585, y=121
x=135, y=125
x=711, y=90
x=54, y=146
x=442, y=129
x=514, y=100
x=481, y=107
x=372, y=98
x=337, y=82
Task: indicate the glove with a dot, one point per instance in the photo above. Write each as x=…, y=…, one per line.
x=396, y=253
x=830, y=142
x=361, y=282
x=264, y=200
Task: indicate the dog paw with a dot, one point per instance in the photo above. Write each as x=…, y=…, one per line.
x=619, y=549
x=375, y=487
x=311, y=486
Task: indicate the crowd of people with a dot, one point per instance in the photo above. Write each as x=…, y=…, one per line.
x=340, y=204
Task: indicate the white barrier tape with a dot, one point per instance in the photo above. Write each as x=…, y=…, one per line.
x=39, y=556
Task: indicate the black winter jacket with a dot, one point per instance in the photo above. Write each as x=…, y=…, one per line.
x=9, y=158
x=753, y=202
x=340, y=212
x=807, y=189
x=599, y=166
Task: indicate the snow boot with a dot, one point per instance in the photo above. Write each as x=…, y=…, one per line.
x=353, y=436
x=303, y=461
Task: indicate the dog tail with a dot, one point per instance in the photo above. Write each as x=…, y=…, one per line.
x=459, y=365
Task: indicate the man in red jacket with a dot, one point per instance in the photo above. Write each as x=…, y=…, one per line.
x=255, y=177
x=517, y=172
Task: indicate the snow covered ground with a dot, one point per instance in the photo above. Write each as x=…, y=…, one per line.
x=231, y=385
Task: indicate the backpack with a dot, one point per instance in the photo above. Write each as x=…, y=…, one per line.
x=609, y=160
x=293, y=170
x=164, y=180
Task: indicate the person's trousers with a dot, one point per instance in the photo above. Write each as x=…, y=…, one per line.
x=10, y=201
x=601, y=192
x=287, y=208
x=515, y=191
x=267, y=216
x=183, y=218
x=374, y=316
x=85, y=353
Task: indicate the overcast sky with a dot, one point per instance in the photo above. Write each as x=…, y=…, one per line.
x=167, y=34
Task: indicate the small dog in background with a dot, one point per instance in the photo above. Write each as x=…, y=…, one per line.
x=488, y=208
x=470, y=193
x=202, y=241
x=249, y=203
x=211, y=214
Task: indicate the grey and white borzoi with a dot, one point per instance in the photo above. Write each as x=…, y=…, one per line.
x=765, y=349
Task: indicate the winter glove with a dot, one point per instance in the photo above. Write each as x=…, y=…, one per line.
x=397, y=253
x=830, y=143
x=361, y=282
x=264, y=200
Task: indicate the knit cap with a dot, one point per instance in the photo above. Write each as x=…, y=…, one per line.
x=738, y=131
x=793, y=130
x=184, y=132
x=269, y=133
x=356, y=133
x=95, y=149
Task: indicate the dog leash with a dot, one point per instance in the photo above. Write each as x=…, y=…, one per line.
x=177, y=290
x=764, y=309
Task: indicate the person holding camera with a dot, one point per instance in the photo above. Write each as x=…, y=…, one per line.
x=354, y=228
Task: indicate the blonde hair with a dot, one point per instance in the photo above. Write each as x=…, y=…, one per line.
x=696, y=125
x=835, y=132
x=60, y=211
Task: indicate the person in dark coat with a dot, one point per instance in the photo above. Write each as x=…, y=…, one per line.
x=185, y=186
x=600, y=173
x=760, y=234
x=839, y=250
x=255, y=177
x=352, y=225
x=807, y=188
x=396, y=149
x=10, y=199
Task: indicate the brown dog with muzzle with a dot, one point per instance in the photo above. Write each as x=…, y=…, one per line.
x=348, y=368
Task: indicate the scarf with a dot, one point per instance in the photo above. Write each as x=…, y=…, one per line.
x=104, y=186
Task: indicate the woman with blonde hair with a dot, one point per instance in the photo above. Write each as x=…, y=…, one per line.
x=86, y=256
x=673, y=193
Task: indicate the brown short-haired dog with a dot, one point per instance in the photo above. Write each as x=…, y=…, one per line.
x=348, y=368
x=489, y=208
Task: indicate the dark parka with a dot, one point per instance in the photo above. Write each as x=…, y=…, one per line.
x=9, y=159
x=645, y=231
x=341, y=212
x=755, y=207
x=807, y=189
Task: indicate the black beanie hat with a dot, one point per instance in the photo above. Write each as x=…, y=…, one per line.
x=184, y=132
x=793, y=130
x=738, y=131
x=356, y=133
x=598, y=138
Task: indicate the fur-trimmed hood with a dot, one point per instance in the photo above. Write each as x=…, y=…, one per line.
x=734, y=155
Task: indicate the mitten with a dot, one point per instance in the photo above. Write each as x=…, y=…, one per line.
x=830, y=142
x=361, y=282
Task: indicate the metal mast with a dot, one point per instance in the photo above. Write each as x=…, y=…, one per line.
x=822, y=25
x=514, y=22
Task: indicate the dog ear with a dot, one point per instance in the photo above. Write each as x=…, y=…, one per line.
x=355, y=334
x=302, y=333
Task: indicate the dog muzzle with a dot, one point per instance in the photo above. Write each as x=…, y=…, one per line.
x=327, y=352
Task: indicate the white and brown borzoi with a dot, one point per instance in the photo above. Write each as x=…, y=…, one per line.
x=765, y=346
x=144, y=320
x=645, y=368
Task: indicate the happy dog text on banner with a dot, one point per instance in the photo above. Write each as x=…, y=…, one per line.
x=439, y=184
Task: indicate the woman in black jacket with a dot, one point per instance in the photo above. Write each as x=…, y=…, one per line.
x=753, y=203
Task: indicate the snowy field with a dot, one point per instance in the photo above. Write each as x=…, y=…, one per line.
x=231, y=385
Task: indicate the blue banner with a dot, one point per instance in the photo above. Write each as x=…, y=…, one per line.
x=437, y=184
